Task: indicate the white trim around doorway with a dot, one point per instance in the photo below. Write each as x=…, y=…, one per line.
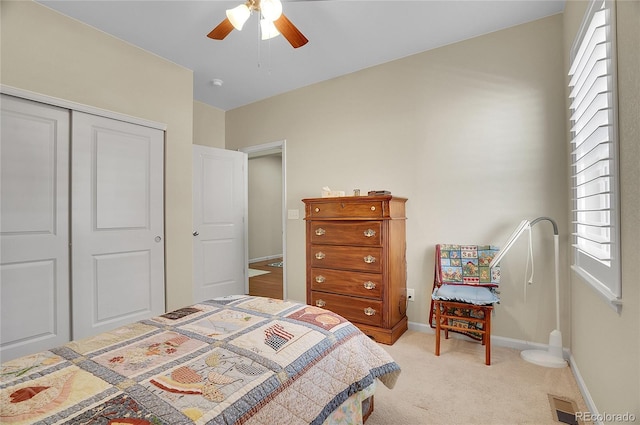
x=271, y=148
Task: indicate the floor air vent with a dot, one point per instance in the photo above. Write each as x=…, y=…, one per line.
x=563, y=410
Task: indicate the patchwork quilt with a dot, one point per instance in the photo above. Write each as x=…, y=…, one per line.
x=234, y=360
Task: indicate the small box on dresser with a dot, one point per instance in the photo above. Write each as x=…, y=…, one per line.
x=356, y=261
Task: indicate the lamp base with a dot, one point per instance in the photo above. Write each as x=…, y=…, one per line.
x=552, y=357
x=543, y=358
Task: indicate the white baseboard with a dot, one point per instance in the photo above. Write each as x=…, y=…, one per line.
x=498, y=341
x=268, y=257
x=586, y=395
x=521, y=345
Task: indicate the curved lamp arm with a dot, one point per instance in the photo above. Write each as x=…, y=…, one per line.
x=524, y=225
x=555, y=226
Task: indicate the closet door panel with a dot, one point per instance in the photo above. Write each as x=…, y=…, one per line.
x=122, y=273
x=122, y=181
x=117, y=216
x=34, y=227
x=37, y=317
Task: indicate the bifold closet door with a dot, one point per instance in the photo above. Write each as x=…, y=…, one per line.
x=117, y=223
x=34, y=227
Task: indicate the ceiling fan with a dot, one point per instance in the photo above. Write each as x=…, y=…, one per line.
x=272, y=24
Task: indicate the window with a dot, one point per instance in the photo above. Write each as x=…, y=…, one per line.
x=594, y=148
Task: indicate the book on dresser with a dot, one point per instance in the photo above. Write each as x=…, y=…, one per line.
x=356, y=261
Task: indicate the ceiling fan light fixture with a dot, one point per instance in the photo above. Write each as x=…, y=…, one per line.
x=238, y=16
x=271, y=9
x=268, y=30
x=273, y=22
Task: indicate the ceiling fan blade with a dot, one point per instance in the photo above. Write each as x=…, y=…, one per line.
x=222, y=30
x=290, y=32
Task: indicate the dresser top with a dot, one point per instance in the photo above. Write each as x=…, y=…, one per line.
x=354, y=208
x=363, y=198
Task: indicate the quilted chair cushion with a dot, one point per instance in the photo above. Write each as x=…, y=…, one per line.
x=477, y=295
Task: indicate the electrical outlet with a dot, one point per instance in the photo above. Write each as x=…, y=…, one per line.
x=411, y=296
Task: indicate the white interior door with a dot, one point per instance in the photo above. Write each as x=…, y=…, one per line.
x=219, y=226
x=117, y=223
x=34, y=227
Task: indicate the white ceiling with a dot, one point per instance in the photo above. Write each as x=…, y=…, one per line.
x=344, y=37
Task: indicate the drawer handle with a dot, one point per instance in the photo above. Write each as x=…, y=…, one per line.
x=369, y=233
x=320, y=231
x=317, y=209
x=320, y=255
x=320, y=278
x=373, y=208
x=320, y=303
x=369, y=285
x=368, y=259
x=369, y=311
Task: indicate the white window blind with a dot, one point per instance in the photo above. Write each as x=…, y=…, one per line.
x=594, y=151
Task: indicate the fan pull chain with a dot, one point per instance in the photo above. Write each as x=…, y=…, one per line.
x=258, y=41
x=259, y=49
x=269, y=57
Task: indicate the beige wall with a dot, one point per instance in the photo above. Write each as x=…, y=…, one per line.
x=605, y=344
x=208, y=125
x=48, y=53
x=473, y=134
x=265, y=207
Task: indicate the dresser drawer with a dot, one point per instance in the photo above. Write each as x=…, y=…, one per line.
x=347, y=283
x=367, y=259
x=335, y=209
x=357, y=310
x=367, y=233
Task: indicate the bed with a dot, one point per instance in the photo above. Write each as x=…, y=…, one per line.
x=232, y=360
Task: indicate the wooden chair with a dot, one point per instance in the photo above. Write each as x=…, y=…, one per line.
x=464, y=292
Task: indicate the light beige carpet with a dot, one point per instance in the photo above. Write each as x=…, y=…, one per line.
x=458, y=388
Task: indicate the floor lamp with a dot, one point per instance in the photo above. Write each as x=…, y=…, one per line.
x=552, y=357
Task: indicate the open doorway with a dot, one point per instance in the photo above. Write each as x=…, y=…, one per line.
x=266, y=221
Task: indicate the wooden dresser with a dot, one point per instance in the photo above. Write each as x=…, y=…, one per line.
x=356, y=261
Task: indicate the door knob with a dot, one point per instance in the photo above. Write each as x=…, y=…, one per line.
x=195, y=233
x=158, y=238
